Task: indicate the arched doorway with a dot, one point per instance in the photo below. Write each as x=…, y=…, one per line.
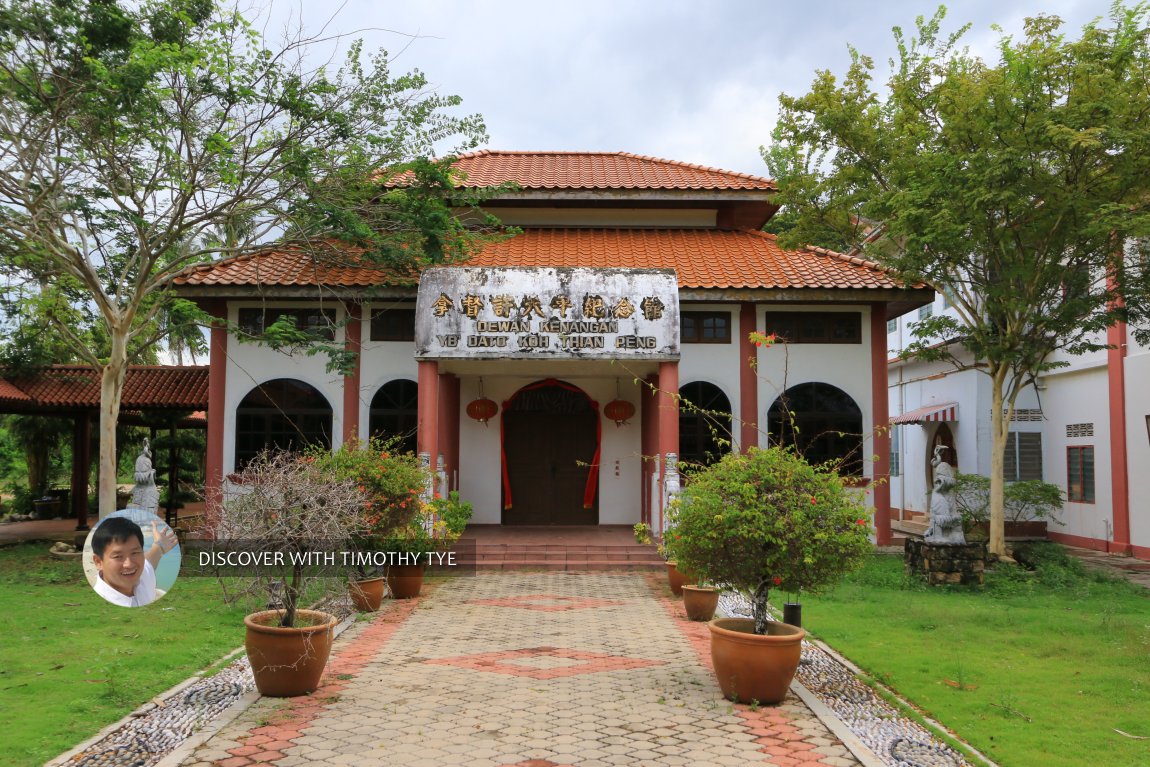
x=282, y=414
x=822, y=422
x=550, y=434
x=395, y=413
x=704, y=424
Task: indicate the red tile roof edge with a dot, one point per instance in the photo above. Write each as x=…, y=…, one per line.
x=78, y=386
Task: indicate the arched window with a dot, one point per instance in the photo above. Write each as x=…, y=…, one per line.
x=704, y=424
x=395, y=413
x=285, y=414
x=822, y=422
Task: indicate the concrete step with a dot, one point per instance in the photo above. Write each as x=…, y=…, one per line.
x=570, y=564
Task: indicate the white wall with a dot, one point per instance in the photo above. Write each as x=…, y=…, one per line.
x=382, y=361
x=1072, y=398
x=716, y=364
x=1138, y=441
x=251, y=364
x=845, y=366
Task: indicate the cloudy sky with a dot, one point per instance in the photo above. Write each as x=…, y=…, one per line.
x=691, y=80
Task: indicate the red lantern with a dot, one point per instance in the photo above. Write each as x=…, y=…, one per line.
x=482, y=410
x=619, y=411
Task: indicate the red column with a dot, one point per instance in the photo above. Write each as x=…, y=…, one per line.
x=647, y=442
x=1119, y=478
x=353, y=344
x=668, y=399
x=748, y=380
x=427, y=432
x=217, y=380
x=880, y=415
x=449, y=426
x=81, y=459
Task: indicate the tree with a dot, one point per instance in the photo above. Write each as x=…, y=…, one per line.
x=138, y=138
x=1012, y=186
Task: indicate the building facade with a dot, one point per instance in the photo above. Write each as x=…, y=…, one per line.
x=563, y=375
x=1085, y=428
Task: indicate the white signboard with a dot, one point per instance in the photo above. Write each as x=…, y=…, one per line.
x=562, y=313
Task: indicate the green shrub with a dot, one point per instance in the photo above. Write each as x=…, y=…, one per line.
x=1023, y=501
x=453, y=512
x=767, y=519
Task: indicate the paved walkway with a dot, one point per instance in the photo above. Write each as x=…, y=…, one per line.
x=527, y=670
x=1137, y=571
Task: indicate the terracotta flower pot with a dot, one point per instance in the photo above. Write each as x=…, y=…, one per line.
x=405, y=580
x=700, y=602
x=367, y=595
x=288, y=661
x=752, y=667
x=676, y=578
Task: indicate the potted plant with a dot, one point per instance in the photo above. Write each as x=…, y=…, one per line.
x=760, y=520
x=390, y=483
x=676, y=578
x=435, y=528
x=700, y=601
x=291, y=512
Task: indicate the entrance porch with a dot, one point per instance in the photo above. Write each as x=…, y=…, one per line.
x=569, y=547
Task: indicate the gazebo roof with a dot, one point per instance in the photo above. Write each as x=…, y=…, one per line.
x=69, y=388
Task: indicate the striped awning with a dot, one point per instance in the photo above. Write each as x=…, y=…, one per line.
x=945, y=411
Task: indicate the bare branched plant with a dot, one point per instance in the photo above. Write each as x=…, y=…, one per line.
x=284, y=503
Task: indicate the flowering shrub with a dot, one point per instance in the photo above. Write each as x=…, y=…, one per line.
x=767, y=519
x=391, y=483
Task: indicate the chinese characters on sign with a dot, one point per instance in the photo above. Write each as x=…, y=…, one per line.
x=561, y=312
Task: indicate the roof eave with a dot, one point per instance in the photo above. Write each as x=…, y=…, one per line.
x=600, y=194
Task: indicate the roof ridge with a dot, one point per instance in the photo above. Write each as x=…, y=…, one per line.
x=697, y=166
x=849, y=258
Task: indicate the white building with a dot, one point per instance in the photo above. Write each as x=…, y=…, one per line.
x=634, y=279
x=1086, y=428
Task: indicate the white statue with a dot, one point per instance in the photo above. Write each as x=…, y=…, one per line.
x=145, y=495
x=945, y=521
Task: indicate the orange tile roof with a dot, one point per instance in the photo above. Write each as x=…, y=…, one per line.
x=598, y=170
x=78, y=386
x=290, y=266
x=702, y=258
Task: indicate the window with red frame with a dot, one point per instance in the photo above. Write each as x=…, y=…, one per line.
x=1080, y=474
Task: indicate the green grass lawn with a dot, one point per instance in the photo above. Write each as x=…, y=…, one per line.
x=1038, y=668
x=70, y=663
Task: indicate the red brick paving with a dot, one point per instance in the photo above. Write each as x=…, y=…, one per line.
x=777, y=734
x=267, y=743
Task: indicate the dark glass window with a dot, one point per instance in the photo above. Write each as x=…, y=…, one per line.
x=321, y=322
x=395, y=413
x=282, y=414
x=822, y=422
x=705, y=327
x=1023, y=458
x=393, y=325
x=1080, y=474
x=704, y=424
x=816, y=327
